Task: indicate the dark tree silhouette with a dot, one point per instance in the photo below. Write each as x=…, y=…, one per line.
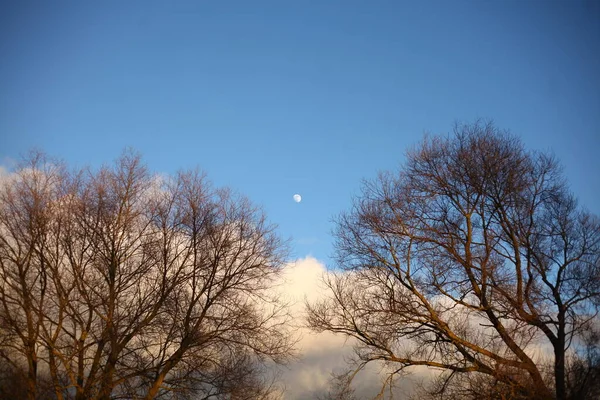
x=474, y=259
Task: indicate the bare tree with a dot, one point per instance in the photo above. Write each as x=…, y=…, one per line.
x=121, y=284
x=475, y=260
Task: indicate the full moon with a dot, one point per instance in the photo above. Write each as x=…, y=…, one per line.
x=297, y=198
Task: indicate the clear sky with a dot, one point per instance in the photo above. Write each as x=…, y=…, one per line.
x=283, y=97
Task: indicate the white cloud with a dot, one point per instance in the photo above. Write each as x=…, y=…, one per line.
x=323, y=353
x=319, y=353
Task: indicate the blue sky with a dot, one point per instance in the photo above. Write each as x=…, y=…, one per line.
x=283, y=97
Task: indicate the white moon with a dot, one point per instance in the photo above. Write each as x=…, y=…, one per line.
x=297, y=198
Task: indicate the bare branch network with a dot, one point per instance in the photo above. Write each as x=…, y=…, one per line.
x=121, y=284
x=474, y=259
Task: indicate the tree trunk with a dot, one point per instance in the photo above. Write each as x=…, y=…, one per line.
x=171, y=362
x=559, y=359
x=58, y=390
x=107, y=384
x=31, y=377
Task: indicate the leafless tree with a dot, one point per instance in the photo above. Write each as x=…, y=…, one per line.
x=122, y=284
x=475, y=260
